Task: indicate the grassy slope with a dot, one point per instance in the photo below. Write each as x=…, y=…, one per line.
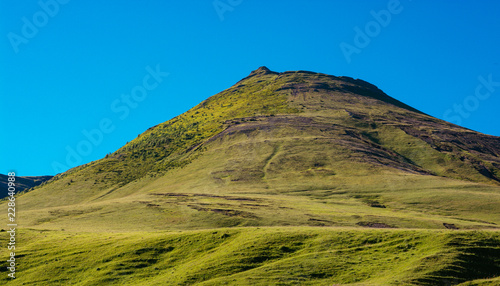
x=264, y=179
x=318, y=107
x=258, y=256
x=334, y=163
x=295, y=149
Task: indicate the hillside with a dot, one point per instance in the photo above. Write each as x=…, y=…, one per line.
x=301, y=158
x=340, y=147
x=259, y=256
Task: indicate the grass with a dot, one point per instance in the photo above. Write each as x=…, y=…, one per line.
x=257, y=256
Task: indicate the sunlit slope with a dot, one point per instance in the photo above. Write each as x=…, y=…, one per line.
x=265, y=179
x=258, y=256
x=293, y=148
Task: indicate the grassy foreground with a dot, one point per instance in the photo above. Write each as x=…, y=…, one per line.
x=257, y=256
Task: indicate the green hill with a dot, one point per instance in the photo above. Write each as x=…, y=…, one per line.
x=304, y=167
x=259, y=256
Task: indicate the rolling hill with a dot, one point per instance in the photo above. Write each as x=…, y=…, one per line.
x=22, y=183
x=282, y=179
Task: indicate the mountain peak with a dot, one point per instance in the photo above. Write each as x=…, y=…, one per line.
x=262, y=70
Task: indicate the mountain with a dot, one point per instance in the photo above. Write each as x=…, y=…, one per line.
x=269, y=178
x=291, y=135
x=22, y=183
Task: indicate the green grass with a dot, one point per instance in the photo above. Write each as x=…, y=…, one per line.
x=257, y=256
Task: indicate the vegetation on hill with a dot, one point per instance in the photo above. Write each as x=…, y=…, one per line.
x=283, y=179
x=258, y=256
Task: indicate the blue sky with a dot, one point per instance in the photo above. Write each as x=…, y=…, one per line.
x=68, y=68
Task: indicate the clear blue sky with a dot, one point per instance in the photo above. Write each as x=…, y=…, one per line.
x=65, y=65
